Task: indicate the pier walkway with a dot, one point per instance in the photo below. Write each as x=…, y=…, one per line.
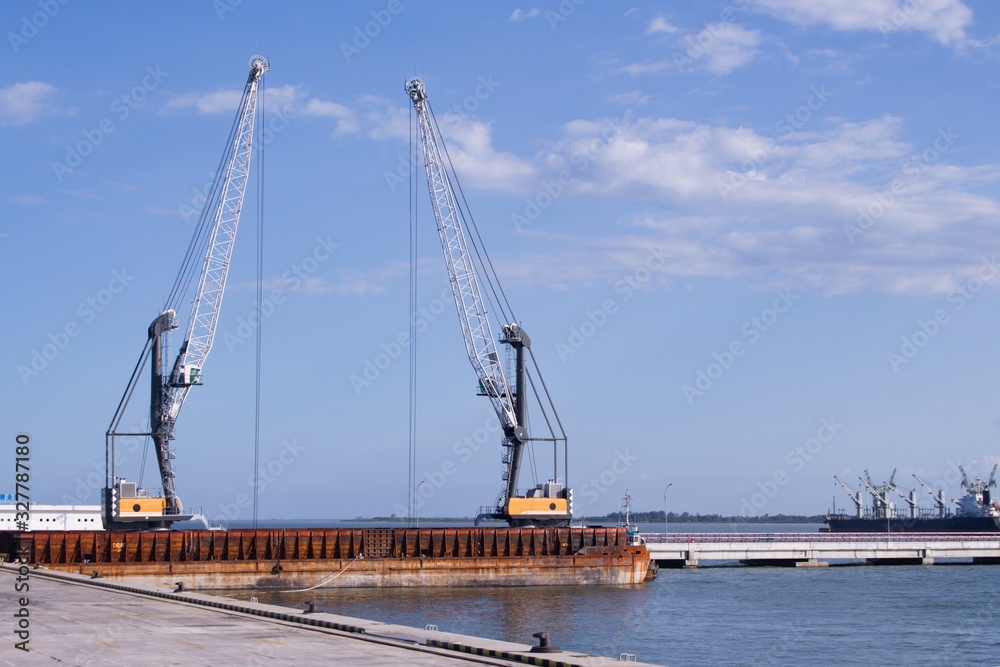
x=821, y=549
x=81, y=621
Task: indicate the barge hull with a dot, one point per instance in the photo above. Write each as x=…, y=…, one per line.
x=351, y=558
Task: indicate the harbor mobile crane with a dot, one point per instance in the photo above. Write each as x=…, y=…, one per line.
x=124, y=504
x=549, y=503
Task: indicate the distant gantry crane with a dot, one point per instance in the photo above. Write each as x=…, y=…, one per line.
x=124, y=504
x=547, y=504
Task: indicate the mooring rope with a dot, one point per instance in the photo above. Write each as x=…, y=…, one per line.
x=325, y=579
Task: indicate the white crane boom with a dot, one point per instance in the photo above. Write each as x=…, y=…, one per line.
x=472, y=314
x=938, y=497
x=207, y=302
x=855, y=496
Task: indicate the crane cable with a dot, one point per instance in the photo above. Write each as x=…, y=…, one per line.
x=412, y=425
x=260, y=297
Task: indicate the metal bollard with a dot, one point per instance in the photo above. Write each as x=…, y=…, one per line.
x=543, y=644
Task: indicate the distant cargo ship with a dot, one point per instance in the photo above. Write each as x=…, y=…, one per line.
x=842, y=523
x=976, y=511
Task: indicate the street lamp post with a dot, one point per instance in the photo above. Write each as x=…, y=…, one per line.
x=666, y=523
x=416, y=504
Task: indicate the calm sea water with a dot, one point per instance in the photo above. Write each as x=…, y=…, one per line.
x=901, y=615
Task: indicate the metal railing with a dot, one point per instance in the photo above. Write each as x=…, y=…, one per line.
x=723, y=538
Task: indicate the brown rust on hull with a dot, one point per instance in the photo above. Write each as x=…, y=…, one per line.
x=291, y=559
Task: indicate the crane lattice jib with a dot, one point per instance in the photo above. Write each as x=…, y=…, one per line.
x=212, y=282
x=472, y=314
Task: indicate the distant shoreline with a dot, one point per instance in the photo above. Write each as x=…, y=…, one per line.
x=636, y=517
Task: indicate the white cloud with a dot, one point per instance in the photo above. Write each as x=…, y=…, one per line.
x=632, y=97
x=719, y=48
x=314, y=285
x=356, y=285
x=520, y=15
x=656, y=67
x=469, y=142
x=659, y=24
x=225, y=101
x=22, y=103
x=726, y=46
x=388, y=121
x=215, y=102
x=350, y=281
x=346, y=121
x=944, y=20
x=845, y=207
x=286, y=99
x=470, y=145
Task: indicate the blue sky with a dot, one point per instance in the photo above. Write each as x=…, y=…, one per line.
x=753, y=243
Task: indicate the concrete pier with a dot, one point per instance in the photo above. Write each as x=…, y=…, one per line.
x=82, y=621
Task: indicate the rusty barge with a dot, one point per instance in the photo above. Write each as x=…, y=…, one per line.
x=305, y=559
